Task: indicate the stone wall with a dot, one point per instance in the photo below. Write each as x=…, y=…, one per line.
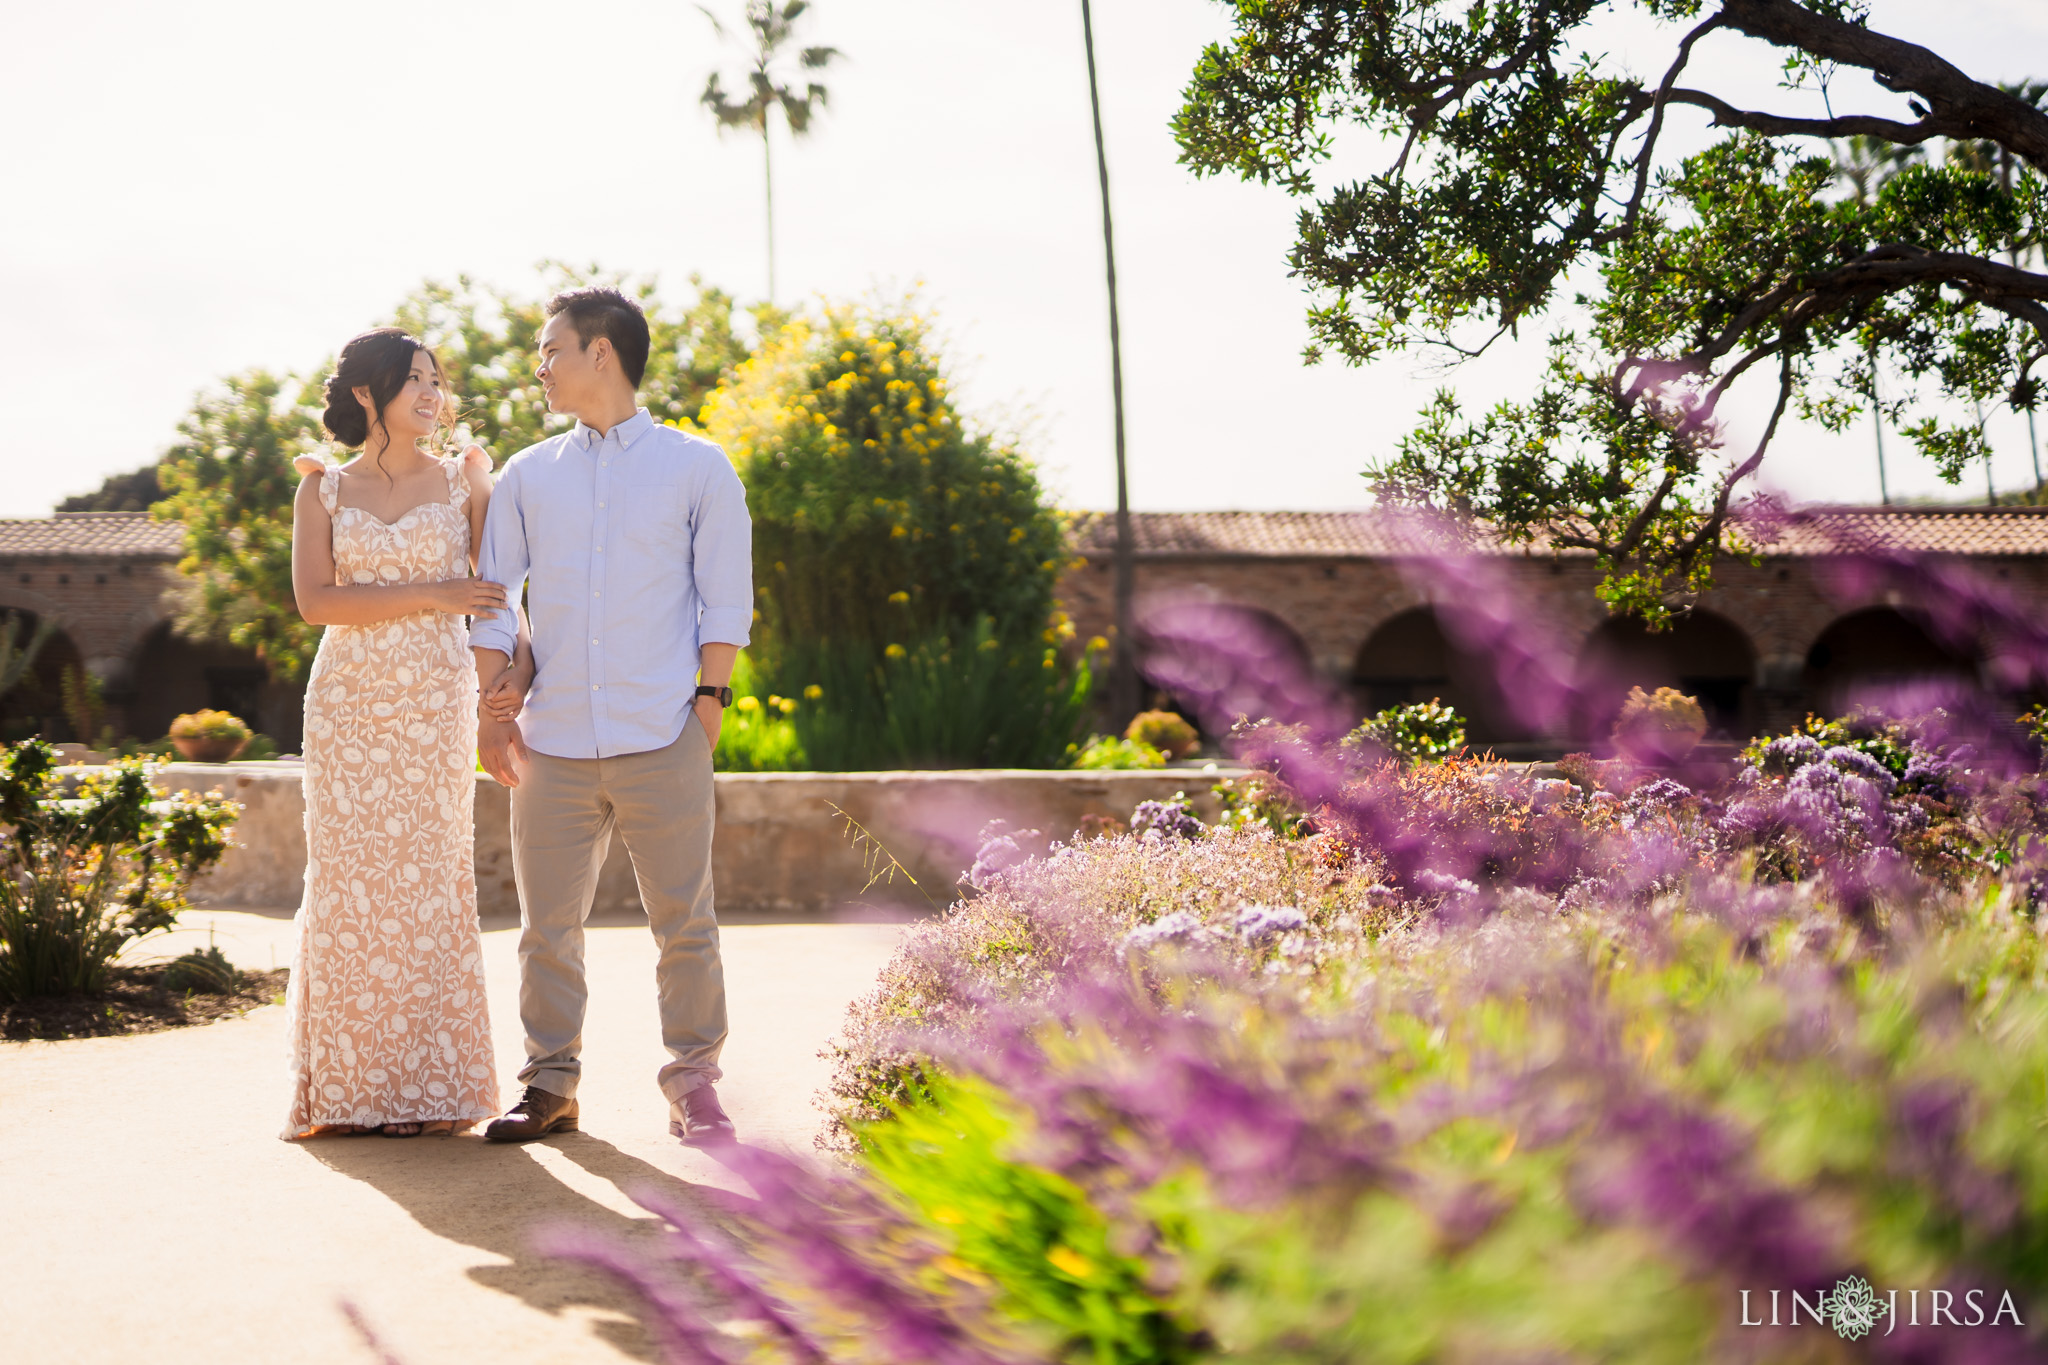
x=780, y=847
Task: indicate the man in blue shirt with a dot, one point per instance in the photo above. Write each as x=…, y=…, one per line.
x=635, y=546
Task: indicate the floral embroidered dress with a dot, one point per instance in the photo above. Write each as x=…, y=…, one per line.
x=386, y=1007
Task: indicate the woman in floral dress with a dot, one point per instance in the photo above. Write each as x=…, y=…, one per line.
x=388, y=1023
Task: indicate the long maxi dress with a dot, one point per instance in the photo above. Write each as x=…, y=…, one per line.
x=386, y=1010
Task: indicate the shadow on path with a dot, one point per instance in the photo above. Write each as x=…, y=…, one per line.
x=498, y=1197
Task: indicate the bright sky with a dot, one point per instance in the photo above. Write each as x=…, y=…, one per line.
x=203, y=187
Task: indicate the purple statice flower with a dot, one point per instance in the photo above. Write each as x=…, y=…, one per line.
x=1167, y=820
x=1789, y=753
x=1859, y=764
x=998, y=853
x=1177, y=927
x=1931, y=774
x=1256, y=923
x=1433, y=883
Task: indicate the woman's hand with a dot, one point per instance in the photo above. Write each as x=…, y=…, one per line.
x=466, y=596
x=504, y=699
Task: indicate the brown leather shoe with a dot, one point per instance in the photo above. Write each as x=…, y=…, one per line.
x=699, y=1120
x=538, y=1113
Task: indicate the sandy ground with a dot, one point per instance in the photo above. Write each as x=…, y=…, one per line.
x=151, y=1213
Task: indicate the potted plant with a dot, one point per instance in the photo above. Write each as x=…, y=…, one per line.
x=1659, y=727
x=209, y=736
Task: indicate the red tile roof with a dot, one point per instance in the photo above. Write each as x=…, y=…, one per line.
x=126, y=535
x=2021, y=531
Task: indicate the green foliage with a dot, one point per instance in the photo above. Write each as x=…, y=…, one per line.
x=1166, y=731
x=205, y=970
x=958, y=696
x=229, y=479
x=1421, y=732
x=1031, y=1235
x=1109, y=752
x=135, y=491
x=85, y=706
x=757, y=735
x=904, y=564
x=879, y=516
x=18, y=657
x=1259, y=801
x=82, y=877
x=1529, y=159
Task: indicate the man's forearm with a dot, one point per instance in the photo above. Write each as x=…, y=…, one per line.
x=490, y=663
x=715, y=662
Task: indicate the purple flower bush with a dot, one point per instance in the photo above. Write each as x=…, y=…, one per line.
x=1435, y=1062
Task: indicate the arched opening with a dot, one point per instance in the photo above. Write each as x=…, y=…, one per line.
x=34, y=707
x=1872, y=655
x=1215, y=661
x=174, y=675
x=1705, y=656
x=1409, y=659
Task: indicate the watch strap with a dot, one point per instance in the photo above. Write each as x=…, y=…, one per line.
x=723, y=694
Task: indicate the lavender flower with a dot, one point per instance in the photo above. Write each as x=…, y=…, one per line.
x=1175, y=819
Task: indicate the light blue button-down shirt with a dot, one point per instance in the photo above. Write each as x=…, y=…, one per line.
x=639, y=549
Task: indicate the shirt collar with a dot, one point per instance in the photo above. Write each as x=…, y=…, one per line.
x=627, y=432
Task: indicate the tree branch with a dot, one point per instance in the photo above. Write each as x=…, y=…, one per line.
x=1727, y=115
x=1976, y=109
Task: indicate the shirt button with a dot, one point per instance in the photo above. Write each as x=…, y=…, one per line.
x=597, y=594
x=600, y=504
x=600, y=549
x=597, y=687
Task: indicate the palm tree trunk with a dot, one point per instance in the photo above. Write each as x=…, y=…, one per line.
x=768, y=179
x=1884, y=492
x=1123, y=678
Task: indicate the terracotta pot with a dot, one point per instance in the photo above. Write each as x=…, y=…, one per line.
x=208, y=749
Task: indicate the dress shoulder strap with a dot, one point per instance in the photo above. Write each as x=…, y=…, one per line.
x=330, y=478
x=458, y=487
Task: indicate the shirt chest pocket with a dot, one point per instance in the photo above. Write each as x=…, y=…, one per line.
x=652, y=519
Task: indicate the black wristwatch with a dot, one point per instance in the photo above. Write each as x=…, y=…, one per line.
x=724, y=694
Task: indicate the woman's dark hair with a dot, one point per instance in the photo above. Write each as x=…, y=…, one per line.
x=599, y=312
x=381, y=361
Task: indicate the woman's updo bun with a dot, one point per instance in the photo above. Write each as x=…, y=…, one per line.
x=379, y=360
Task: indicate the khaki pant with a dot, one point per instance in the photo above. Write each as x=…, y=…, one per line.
x=563, y=813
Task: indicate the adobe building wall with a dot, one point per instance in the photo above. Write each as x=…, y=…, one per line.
x=1781, y=607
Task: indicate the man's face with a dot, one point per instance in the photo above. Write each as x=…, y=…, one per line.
x=568, y=372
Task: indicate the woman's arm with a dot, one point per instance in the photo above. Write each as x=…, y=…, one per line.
x=322, y=603
x=476, y=472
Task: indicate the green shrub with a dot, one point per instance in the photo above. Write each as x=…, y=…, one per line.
x=81, y=878
x=1165, y=731
x=1033, y=1235
x=205, y=970
x=757, y=735
x=1422, y=732
x=904, y=563
x=957, y=697
x=1104, y=752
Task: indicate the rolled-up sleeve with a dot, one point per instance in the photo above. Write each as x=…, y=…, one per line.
x=722, y=554
x=504, y=558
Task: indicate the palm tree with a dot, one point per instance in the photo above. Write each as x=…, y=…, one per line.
x=1123, y=678
x=769, y=85
x=1866, y=162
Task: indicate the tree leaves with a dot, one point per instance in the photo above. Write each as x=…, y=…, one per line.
x=1518, y=160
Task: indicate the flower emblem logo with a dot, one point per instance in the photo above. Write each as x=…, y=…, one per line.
x=1852, y=1307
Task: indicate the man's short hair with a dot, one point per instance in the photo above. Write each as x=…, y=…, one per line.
x=600, y=312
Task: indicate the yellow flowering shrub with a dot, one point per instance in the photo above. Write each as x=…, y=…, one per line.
x=880, y=513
